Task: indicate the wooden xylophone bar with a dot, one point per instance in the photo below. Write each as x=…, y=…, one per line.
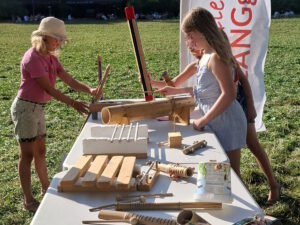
x=98, y=173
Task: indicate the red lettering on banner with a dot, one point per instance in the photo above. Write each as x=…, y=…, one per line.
x=244, y=10
x=242, y=55
x=236, y=43
x=215, y=6
x=244, y=7
x=247, y=2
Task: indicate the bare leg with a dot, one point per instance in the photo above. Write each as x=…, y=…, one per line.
x=40, y=163
x=235, y=158
x=26, y=150
x=263, y=161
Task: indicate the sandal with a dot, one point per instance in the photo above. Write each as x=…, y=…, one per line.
x=31, y=206
x=274, y=194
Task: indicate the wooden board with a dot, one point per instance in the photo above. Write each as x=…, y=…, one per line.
x=76, y=171
x=104, y=174
x=125, y=173
x=108, y=176
x=94, y=172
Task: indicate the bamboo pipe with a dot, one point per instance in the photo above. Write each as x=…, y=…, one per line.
x=167, y=206
x=144, y=110
x=145, y=220
x=175, y=170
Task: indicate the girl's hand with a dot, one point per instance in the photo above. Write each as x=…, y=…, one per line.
x=199, y=124
x=81, y=107
x=167, y=90
x=93, y=91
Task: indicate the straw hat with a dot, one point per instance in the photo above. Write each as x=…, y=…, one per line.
x=52, y=27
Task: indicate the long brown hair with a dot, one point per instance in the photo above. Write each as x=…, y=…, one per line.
x=201, y=20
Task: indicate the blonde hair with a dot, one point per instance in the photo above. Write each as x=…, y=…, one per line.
x=38, y=43
x=201, y=20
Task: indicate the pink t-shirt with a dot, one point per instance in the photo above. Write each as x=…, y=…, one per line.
x=34, y=65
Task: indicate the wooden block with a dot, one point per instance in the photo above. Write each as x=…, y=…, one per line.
x=149, y=181
x=77, y=170
x=125, y=174
x=94, y=171
x=174, y=139
x=110, y=172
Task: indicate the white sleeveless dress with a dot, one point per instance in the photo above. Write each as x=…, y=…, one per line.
x=230, y=127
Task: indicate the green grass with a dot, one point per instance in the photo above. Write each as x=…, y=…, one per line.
x=161, y=49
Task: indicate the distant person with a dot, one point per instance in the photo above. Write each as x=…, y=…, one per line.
x=69, y=17
x=39, y=69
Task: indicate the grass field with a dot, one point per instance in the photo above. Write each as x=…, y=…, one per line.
x=161, y=48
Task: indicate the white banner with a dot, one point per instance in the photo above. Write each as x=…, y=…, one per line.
x=246, y=22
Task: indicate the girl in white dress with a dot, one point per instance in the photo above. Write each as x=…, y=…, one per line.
x=214, y=92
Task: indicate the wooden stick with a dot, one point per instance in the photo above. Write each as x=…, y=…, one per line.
x=157, y=195
x=167, y=79
x=167, y=206
x=99, y=69
x=107, y=70
x=131, y=221
x=139, y=199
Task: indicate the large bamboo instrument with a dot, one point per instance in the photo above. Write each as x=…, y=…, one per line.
x=123, y=114
x=167, y=206
x=138, y=50
x=140, y=219
x=174, y=170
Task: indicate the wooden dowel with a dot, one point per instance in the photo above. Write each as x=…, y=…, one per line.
x=107, y=70
x=167, y=206
x=108, y=221
x=157, y=195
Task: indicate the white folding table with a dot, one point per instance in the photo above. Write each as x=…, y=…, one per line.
x=72, y=208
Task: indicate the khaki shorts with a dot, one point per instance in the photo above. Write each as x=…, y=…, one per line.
x=29, y=120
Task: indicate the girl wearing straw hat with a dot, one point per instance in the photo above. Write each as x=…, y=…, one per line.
x=39, y=69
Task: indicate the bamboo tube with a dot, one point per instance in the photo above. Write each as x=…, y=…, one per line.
x=145, y=220
x=98, y=106
x=191, y=218
x=144, y=110
x=175, y=170
x=167, y=206
x=195, y=146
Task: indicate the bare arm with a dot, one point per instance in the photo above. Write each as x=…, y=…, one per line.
x=44, y=83
x=75, y=84
x=222, y=72
x=189, y=71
